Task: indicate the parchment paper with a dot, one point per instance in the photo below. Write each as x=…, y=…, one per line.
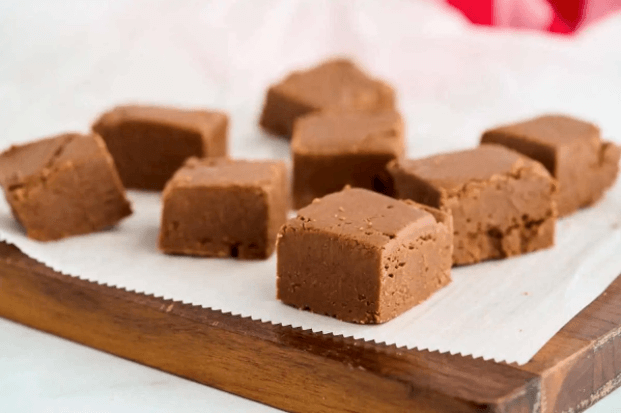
x=453, y=82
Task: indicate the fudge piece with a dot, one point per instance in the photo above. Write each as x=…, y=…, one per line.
x=333, y=85
x=331, y=150
x=363, y=257
x=150, y=143
x=224, y=208
x=571, y=150
x=62, y=186
x=502, y=203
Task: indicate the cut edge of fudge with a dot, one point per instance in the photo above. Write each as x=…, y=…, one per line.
x=57, y=160
x=198, y=132
x=525, y=233
x=576, y=190
x=271, y=190
x=389, y=254
x=283, y=105
x=427, y=244
x=323, y=165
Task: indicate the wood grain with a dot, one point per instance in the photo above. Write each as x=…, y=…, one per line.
x=582, y=363
x=300, y=371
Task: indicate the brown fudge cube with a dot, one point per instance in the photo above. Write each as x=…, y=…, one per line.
x=571, y=150
x=150, y=143
x=331, y=150
x=503, y=204
x=334, y=85
x=224, y=208
x=363, y=257
x=62, y=186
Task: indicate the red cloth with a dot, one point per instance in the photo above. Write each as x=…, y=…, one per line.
x=558, y=16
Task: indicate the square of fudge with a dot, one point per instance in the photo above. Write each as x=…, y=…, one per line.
x=573, y=152
x=333, y=85
x=502, y=203
x=224, y=208
x=149, y=144
x=63, y=186
x=332, y=150
x=363, y=257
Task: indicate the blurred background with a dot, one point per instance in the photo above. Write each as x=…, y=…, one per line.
x=64, y=62
x=554, y=16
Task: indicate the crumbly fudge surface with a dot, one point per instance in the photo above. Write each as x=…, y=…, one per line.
x=21, y=162
x=363, y=257
x=369, y=219
x=571, y=150
x=224, y=208
x=149, y=143
x=62, y=186
x=503, y=204
x=452, y=171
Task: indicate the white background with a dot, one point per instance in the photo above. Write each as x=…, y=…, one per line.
x=43, y=50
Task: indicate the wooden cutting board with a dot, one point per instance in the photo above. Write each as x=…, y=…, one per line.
x=300, y=371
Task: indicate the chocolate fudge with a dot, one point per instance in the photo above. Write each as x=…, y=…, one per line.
x=363, y=257
x=331, y=150
x=62, y=186
x=224, y=208
x=334, y=85
x=503, y=203
x=150, y=143
x=571, y=150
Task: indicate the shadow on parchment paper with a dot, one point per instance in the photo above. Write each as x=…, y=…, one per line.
x=148, y=238
x=10, y=224
x=259, y=144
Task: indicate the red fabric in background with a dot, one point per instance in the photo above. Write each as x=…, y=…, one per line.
x=479, y=12
x=558, y=16
x=567, y=15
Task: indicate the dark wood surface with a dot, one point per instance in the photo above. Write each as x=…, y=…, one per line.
x=300, y=371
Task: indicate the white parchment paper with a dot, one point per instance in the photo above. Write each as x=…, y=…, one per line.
x=63, y=64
